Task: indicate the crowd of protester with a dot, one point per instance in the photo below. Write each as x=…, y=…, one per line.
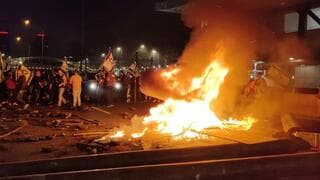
x=123, y=88
x=54, y=87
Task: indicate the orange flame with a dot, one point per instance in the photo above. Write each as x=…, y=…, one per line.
x=185, y=118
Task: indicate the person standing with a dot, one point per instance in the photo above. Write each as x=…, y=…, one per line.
x=21, y=87
x=132, y=92
x=109, y=89
x=124, y=80
x=53, y=86
x=11, y=89
x=76, y=82
x=62, y=86
x=100, y=78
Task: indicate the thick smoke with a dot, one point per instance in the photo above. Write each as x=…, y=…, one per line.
x=238, y=28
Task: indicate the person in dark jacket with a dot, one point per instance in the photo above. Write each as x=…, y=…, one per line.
x=53, y=86
x=21, y=88
x=37, y=85
x=11, y=89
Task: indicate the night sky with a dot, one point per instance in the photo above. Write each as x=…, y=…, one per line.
x=125, y=23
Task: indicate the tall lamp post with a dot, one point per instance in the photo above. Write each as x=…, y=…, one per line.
x=42, y=35
x=119, y=52
x=18, y=39
x=27, y=23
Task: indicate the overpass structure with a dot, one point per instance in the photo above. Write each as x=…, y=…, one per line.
x=171, y=6
x=176, y=6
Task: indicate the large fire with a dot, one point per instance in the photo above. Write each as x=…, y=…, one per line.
x=187, y=118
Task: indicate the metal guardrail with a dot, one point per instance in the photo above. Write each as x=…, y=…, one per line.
x=46, y=63
x=151, y=157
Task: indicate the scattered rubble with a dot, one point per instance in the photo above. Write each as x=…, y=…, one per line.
x=3, y=148
x=85, y=108
x=92, y=133
x=56, y=132
x=47, y=150
x=92, y=147
x=96, y=122
x=33, y=138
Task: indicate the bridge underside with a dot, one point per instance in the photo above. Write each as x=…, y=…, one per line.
x=176, y=6
x=171, y=6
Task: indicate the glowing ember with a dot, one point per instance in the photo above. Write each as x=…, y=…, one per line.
x=184, y=118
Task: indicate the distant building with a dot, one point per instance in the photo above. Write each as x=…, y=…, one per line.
x=4, y=37
x=292, y=21
x=4, y=42
x=40, y=45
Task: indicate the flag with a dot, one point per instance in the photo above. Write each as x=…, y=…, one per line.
x=26, y=72
x=64, y=67
x=108, y=63
x=23, y=70
x=133, y=70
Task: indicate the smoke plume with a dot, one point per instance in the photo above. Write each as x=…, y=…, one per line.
x=240, y=29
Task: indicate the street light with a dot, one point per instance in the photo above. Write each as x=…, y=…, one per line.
x=294, y=60
x=18, y=38
x=154, y=51
x=26, y=22
x=42, y=35
x=142, y=46
x=103, y=55
x=119, y=49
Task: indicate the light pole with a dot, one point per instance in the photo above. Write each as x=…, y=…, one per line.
x=142, y=46
x=154, y=52
x=155, y=56
x=42, y=43
x=143, y=54
x=42, y=36
x=26, y=23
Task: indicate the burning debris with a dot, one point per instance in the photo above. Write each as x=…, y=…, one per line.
x=183, y=119
x=201, y=92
